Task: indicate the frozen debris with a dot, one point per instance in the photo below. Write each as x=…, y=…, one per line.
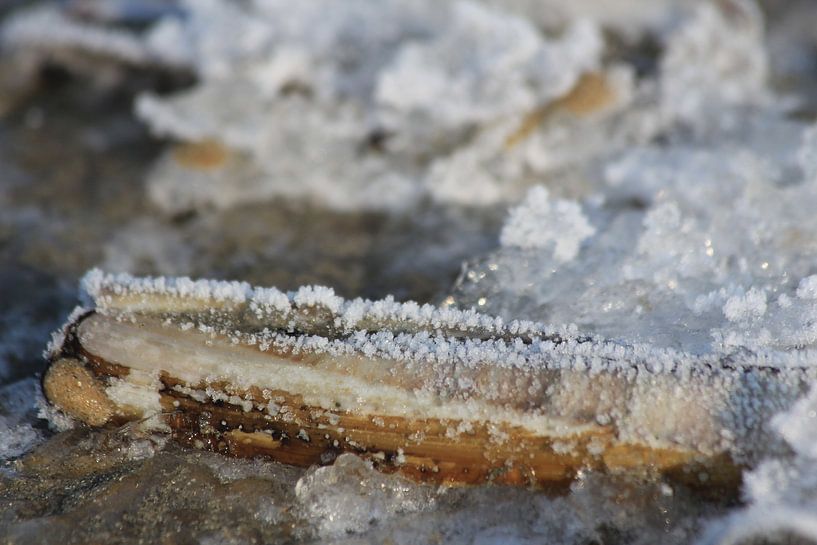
x=368, y=110
x=391, y=102
x=351, y=497
x=541, y=222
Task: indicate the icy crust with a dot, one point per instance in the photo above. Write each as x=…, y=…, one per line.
x=704, y=246
x=378, y=357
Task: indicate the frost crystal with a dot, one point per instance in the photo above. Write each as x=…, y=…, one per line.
x=541, y=223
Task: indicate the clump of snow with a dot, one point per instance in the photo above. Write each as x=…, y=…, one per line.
x=716, y=59
x=18, y=430
x=485, y=65
x=752, y=304
x=365, y=95
x=541, y=222
x=393, y=102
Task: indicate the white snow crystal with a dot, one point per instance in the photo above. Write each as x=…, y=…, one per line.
x=541, y=222
x=807, y=288
x=752, y=304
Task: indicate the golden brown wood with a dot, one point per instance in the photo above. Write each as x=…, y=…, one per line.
x=590, y=94
x=204, y=155
x=426, y=450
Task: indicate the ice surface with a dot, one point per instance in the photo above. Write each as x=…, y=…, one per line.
x=598, y=508
x=673, y=269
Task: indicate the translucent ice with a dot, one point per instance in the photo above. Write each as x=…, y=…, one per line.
x=350, y=497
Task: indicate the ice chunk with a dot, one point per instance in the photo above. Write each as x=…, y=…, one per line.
x=485, y=65
x=350, y=497
x=691, y=243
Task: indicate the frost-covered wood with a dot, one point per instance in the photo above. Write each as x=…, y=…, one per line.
x=442, y=394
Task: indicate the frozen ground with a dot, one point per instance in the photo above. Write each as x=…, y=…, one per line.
x=646, y=171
